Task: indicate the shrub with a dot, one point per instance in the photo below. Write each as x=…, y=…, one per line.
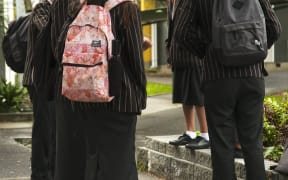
x=275, y=125
x=12, y=96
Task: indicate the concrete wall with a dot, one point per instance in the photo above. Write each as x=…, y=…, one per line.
x=179, y=163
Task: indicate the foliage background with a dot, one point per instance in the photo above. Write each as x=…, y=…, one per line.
x=13, y=97
x=275, y=125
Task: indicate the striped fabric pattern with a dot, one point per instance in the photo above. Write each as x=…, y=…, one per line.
x=39, y=19
x=179, y=56
x=133, y=92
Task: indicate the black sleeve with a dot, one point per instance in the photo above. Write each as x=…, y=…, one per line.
x=59, y=11
x=41, y=15
x=192, y=37
x=273, y=26
x=133, y=38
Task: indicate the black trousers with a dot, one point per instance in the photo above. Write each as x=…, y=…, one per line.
x=95, y=145
x=43, y=136
x=230, y=104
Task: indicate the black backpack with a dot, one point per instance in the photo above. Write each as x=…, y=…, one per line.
x=239, y=32
x=14, y=44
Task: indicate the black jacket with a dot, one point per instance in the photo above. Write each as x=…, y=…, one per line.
x=180, y=56
x=39, y=68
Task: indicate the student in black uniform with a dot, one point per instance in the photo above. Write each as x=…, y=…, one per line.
x=97, y=140
x=233, y=96
x=38, y=78
x=187, y=72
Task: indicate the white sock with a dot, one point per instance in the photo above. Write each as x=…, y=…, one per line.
x=191, y=134
x=205, y=136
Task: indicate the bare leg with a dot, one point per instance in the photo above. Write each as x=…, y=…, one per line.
x=189, y=117
x=238, y=146
x=202, y=141
x=202, y=119
x=237, y=143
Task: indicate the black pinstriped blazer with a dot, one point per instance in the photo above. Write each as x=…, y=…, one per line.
x=213, y=70
x=179, y=56
x=133, y=91
x=38, y=21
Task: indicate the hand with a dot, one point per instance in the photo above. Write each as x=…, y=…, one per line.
x=146, y=43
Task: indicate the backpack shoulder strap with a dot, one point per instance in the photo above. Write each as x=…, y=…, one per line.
x=110, y=4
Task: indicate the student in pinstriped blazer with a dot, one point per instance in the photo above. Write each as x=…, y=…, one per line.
x=43, y=131
x=97, y=140
x=187, y=72
x=233, y=96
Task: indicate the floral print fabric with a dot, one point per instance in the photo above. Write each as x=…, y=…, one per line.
x=87, y=50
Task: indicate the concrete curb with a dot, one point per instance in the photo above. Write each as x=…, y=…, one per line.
x=178, y=163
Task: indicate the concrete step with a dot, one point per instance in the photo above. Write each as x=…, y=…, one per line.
x=16, y=117
x=169, y=167
x=179, y=163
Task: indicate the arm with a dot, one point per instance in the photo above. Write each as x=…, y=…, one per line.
x=169, y=19
x=191, y=37
x=146, y=43
x=59, y=11
x=41, y=15
x=273, y=26
x=133, y=46
x=168, y=40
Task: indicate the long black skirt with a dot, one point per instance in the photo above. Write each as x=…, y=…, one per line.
x=95, y=145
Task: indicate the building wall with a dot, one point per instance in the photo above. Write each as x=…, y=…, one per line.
x=281, y=46
x=147, y=29
x=151, y=30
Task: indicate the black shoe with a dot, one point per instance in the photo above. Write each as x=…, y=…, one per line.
x=182, y=140
x=198, y=143
x=238, y=153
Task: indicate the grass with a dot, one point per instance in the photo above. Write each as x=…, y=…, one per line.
x=157, y=89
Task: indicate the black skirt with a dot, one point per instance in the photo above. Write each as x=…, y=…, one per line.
x=186, y=86
x=94, y=144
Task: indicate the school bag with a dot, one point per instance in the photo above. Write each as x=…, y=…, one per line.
x=87, y=50
x=238, y=32
x=14, y=44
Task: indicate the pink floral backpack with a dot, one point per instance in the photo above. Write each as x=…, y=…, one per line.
x=88, y=48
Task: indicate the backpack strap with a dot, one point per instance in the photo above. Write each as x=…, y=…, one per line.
x=110, y=4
